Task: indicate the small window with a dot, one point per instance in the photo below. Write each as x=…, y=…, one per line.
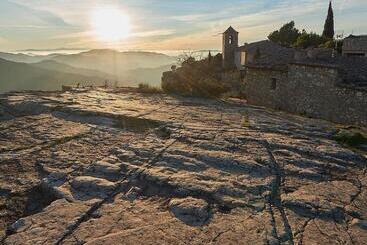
x=230, y=40
x=273, y=84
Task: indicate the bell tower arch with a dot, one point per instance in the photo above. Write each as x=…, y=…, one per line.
x=229, y=46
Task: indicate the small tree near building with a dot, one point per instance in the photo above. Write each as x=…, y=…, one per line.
x=286, y=36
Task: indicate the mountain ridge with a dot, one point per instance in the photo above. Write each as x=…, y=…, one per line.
x=23, y=76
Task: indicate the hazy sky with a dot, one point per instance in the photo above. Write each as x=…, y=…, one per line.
x=165, y=24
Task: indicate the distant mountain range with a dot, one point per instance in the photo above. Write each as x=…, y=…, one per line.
x=22, y=76
x=49, y=72
x=24, y=58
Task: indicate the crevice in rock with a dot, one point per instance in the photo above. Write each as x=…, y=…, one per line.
x=275, y=196
x=346, y=229
x=130, y=123
x=163, y=187
x=31, y=202
x=302, y=230
x=358, y=184
x=46, y=145
x=274, y=231
x=220, y=234
x=120, y=187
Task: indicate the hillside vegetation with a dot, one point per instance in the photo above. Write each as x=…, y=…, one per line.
x=22, y=76
x=200, y=78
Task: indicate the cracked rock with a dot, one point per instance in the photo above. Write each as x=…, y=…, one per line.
x=91, y=186
x=105, y=169
x=190, y=210
x=191, y=172
x=133, y=193
x=360, y=223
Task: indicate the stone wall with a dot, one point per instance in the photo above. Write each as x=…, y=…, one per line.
x=259, y=86
x=309, y=90
x=232, y=76
x=235, y=80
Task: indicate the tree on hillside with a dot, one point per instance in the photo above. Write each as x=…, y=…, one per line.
x=286, y=36
x=306, y=40
x=329, y=24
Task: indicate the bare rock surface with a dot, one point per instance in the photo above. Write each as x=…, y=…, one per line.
x=191, y=211
x=102, y=167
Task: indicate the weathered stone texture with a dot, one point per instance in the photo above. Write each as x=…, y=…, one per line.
x=259, y=89
x=102, y=167
x=314, y=91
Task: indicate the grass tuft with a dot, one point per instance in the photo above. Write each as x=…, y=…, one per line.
x=245, y=121
x=148, y=89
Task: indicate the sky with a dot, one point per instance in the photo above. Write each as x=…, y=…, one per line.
x=165, y=24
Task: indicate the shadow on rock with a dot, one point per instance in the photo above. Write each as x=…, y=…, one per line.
x=191, y=211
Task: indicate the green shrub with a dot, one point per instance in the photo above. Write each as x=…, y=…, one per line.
x=306, y=40
x=209, y=87
x=200, y=78
x=349, y=137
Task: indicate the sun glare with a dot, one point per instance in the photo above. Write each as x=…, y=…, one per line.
x=110, y=24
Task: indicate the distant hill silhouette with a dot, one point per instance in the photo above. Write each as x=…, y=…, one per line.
x=127, y=78
x=114, y=62
x=24, y=57
x=128, y=68
x=56, y=66
x=22, y=76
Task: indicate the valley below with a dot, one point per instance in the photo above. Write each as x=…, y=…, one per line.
x=119, y=167
x=88, y=68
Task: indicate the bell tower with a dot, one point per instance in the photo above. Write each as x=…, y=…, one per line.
x=229, y=46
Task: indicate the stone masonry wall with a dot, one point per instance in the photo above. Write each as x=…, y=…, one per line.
x=317, y=93
x=313, y=91
x=259, y=89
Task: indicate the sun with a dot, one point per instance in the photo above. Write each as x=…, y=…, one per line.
x=110, y=24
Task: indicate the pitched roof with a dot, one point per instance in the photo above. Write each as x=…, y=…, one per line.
x=356, y=36
x=271, y=53
x=231, y=30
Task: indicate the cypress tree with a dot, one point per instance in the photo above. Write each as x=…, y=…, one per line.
x=329, y=23
x=210, y=57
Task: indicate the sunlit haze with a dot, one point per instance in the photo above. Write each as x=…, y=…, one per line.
x=110, y=24
x=163, y=24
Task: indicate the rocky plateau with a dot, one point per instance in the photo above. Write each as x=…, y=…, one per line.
x=119, y=167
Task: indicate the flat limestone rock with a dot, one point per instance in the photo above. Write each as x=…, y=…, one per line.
x=191, y=211
x=111, y=167
x=105, y=169
x=327, y=198
x=48, y=226
x=84, y=186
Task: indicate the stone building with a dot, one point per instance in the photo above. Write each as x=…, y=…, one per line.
x=320, y=90
x=237, y=57
x=355, y=46
x=311, y=82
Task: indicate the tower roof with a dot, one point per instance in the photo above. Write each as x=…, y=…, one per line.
x=231, y=30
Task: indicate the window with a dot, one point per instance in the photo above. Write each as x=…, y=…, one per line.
x=273, y=84
x=243, y=58
x=230, y=41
